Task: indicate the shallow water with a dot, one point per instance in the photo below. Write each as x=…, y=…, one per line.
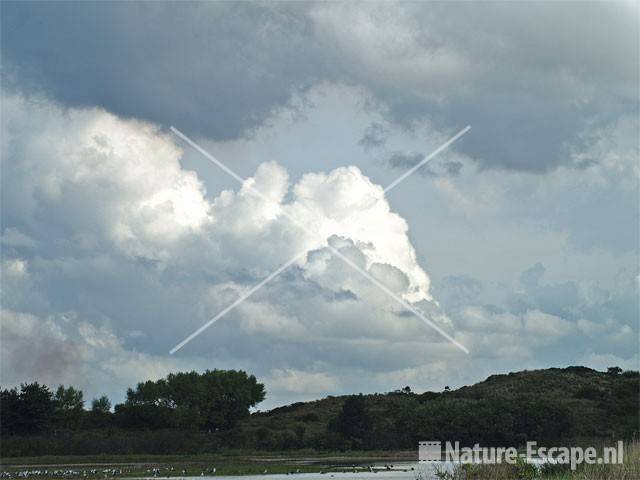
x=401, y=471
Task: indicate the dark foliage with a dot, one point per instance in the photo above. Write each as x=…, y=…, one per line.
x=195, y=413
x=189, y=401
x=213, y=400
x=354, y=423
x=30, y=410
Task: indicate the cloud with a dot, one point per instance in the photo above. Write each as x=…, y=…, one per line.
x=63, y=349
x=493, y=331
x=507, y=72
x=297, y=381
x=374, y=136
x=126, y=174
x=16, y=268
x=12, y=237
x=388, y=44
x=529, y=77
x=133, y=255
x=604, y=361
x=531, y=277
x=218, y=69
x=489, y=227
x=435, y=373
x=455, y=290
x=566, y=203
x=105, y=224
x=545, y=326
x=405, y=161
x=150, y=288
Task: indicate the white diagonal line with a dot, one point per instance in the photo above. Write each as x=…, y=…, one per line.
x=209, y=156
x=399, y=300
x=236, y=303
x=242, y=181
x=426, y=159
x=331, y=248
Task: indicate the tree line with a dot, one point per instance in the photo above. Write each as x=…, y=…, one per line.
x=203, y=413
x=209, y=401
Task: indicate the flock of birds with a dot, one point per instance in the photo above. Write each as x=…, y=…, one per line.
x=163, y=472
x=58, y=473
x=105, y=473
x=374, y=469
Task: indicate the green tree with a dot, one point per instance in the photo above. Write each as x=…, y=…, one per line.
x=354, y=422
x=100, y=415
x=9, y=411
x=36, y=408
x=101, y=404
x=226, y=396
x=69, y=399
x=69, y=403
x=215, y=399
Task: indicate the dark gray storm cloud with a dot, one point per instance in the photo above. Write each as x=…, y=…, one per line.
x=214, y=68
x=528, y=77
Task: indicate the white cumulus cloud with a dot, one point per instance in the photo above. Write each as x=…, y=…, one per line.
x=104, y=222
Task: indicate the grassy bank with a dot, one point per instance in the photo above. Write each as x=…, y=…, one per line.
x=224, y=456
x=628, y=470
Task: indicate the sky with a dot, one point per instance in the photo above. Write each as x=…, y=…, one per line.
x=119, y=239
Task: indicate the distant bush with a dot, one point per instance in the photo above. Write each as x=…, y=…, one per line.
x=590, y=392
x=112, y=441
x=308, y=417
x=287, y=408
x=580, y=370
x=354, y=422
